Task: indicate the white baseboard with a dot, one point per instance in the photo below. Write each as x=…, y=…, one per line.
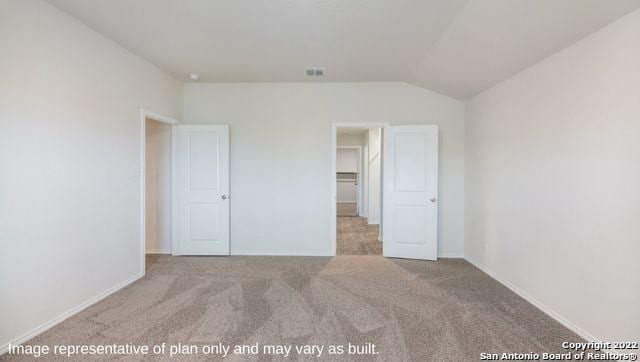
x=156, y=251
x=577, y=330
x=43, y=327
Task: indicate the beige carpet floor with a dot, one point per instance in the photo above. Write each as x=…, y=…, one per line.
x=356, y=237
x=411, y=310
x=347, y=209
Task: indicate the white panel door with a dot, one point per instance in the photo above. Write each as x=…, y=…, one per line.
x=201, y=190
x=410, y=192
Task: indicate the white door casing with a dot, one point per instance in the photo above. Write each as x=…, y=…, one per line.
x=201, y=190
x=410, y=192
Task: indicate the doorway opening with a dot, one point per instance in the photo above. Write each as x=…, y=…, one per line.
x=155, y=184
x=358, y=191
x=158, y=187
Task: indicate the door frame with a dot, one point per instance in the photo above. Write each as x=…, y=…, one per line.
x=333, y=224
x=144, y=114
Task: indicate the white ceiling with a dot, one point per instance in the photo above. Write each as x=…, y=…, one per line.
x=491, y=40
x=455, y=47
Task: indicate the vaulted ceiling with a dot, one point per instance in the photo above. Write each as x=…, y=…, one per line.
x=455, y=47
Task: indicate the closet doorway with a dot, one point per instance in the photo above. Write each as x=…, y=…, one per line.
x=357, y=180
x=349, y=175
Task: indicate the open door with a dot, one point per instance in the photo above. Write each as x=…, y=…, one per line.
x=201, y=190
x=410, y=192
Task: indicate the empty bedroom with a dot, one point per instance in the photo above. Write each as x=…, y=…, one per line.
x=383, y=180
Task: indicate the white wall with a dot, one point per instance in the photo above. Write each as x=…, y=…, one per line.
x=281, y=155
x=348, y=160
x=70, y=143
x=158, y=187
x=350, y=140
x=374, y=158
x=553, y=175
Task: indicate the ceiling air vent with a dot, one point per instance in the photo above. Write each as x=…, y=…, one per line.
x=314, y=72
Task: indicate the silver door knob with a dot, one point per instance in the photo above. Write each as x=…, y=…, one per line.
x=433, y=199
x=224, y=196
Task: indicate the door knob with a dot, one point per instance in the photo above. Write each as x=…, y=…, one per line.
x=224, y=196
x=433, y=199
